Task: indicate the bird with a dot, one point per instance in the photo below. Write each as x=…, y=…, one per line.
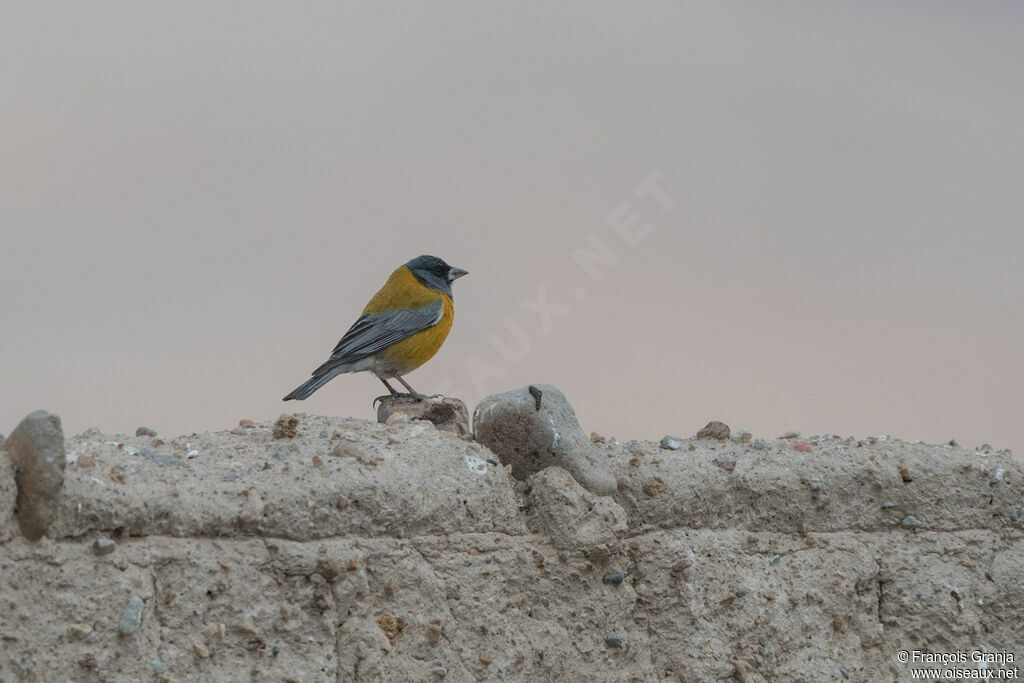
x=401, y=328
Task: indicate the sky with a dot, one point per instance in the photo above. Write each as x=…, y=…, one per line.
x=784, y=216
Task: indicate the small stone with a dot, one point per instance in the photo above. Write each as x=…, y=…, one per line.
x=654, y=485
x=775, y=560
x=759, y=445
x=36, y=449
x=201, y=650
x=844, y=672
x=613, y=641
x=324, y=434
x=790, y=435
x=79, y=631
x=597, y=438
x=158, y=667
x=439, y=671
x=802, y=446
x=346, y=449
x=614, y=577
x=910, y=522
x=623, y=482
x=984, y=448
x=246, y=423
x=988, y=575
x=486, y=658
x=445, y=414
x=286, y=427
x=837, y=624
x=391, y=626
x=742, y=436
x=165, y=459
x=727, y=464
x=103, y=546
x=275, y=651
x=905, y=474
x=997, y=477
x=671, y=443
x=394, y=439
x=145, y=431
x=762, y=641
x=131, y=617
x=952, y=443
x=714, y=430
x=890, y=504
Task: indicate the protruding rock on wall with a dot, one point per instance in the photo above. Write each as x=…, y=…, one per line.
x=535, y=427
x=36, y=450
x=314, y=548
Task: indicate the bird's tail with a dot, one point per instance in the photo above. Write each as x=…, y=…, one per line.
x=306, y=389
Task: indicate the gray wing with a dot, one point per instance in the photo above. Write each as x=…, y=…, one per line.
x=376, y=331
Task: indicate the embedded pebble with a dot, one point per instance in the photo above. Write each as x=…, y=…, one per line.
x=145, y=431
x=988, y=575
x=324, y=434
x=286, y=427
x=759, y=445
x=846, y=674
x=613, y=641
x=790, y=435
x=131, y=617
x=802, y=446
x=890, y=504
x=762, y=641
x=671, y=443
x=742, y=436
x=905, y=474
x=997, y=477
x=714, y=430
x=79, y=631
x=392, y=440
x=103, y=546
x=439, y=671
x=36, y=450
x=158, y=667
x=775, y=560
x=910, y=522
x=614, y=577
x=160, y=458
x=654, y=485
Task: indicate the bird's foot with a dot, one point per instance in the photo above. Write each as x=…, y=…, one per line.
x=413, y=395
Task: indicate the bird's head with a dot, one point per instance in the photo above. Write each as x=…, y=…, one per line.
x=435, y=273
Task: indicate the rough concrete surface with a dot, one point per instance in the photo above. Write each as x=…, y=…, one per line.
x=353, y=550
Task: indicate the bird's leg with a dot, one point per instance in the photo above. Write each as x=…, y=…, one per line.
x=390, y=389
x=412, y=392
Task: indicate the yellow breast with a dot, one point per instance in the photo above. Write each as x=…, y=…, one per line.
x=403, y=290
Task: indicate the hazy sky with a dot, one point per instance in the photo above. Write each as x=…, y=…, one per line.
x=197, y=199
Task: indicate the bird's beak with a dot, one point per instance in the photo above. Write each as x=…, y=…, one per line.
x=456, y=273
